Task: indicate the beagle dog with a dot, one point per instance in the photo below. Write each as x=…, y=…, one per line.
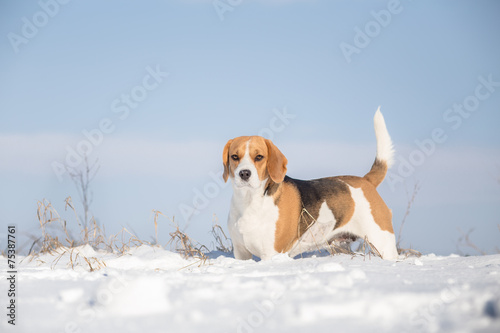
x=272, y=213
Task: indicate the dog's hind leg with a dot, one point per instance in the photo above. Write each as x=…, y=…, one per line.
x=384, y=242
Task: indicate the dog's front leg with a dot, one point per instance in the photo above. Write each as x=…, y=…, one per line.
x=241, y=253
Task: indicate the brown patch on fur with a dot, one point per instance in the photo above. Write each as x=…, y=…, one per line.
x=381, y=213
x=377, y=172
x=271, y=189
x=342, y=206
x=276, y=163
x=287, y=197
x=258, y=147
x=225, y=160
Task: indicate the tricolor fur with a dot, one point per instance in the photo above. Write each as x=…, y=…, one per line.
x=272, y=213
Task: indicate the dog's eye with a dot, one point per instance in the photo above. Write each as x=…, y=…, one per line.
x=235, y=157
x=258, y=158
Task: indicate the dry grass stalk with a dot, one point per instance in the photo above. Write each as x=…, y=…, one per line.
x=340, y=246
x=57, y=240
x=186, y=246
x=465, y=241
x=409, y=252
x=155, y=220
x=366, y=248
x=411, y=200
x=82, y=179
x=222, y=242
x=98, y=264
x=47, y=215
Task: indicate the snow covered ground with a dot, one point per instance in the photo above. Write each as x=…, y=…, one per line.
x=150, y=289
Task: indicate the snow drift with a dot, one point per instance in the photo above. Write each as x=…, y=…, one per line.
x=149, y=289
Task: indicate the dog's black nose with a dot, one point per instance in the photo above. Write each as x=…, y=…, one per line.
x=245, y=174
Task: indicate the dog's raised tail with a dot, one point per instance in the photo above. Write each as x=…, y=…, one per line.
x=385, y=151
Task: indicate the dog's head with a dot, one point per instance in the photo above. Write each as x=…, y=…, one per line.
x=252, y=160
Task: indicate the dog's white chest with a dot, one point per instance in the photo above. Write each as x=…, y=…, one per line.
x=252, y=221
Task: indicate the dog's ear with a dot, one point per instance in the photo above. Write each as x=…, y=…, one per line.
x=225, y=160
x=276, y=163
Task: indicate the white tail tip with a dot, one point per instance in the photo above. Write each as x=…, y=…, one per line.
x=385, y=150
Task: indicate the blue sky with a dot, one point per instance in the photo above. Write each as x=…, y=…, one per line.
x=167, y=83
